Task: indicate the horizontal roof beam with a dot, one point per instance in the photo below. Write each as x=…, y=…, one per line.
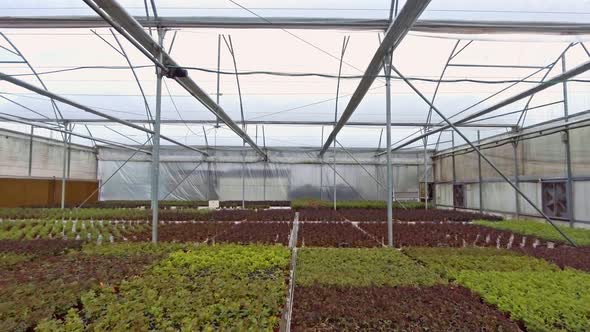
x=434, y=26
x=279, y=122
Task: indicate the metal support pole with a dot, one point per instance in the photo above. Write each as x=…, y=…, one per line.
x=156, y=144
x=218, y=94
x=425, y=177
x=322, y=171
x=455, y=129
x=453, y=166
x=480, y=175
x=31, y=150
x=568, y=150
x=344, y=45
x=69, y=162
x=516, y=177
x=265, y=165
x=389, y=177
x=64, y=173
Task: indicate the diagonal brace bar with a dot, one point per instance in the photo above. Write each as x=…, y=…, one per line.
x=112, y=12
x=23, y=84
x=510, y=182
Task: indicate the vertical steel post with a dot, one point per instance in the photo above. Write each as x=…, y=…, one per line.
x=344, y=45
x=516, y=177
x=568, y=151
x=265, y=165
x=218, y=94
x=479, y=175
x=425, y=176
x=322, y=171
x=453, y=162
x=156, y=145
x=389, y=177
x=69, y=163
x=31, y=150
x=65, y=166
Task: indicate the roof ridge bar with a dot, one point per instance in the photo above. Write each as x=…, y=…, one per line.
x=122, y=21
x=537, y=88
x=30, y=87
x=393, y=37
x=317, y=23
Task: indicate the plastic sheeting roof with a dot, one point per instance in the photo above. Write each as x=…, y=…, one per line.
x=81, y=65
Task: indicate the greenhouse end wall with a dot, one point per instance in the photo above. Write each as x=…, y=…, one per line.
x=290, y=173
x=541, y=161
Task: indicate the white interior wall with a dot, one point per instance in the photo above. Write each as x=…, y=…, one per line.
x=47, y=158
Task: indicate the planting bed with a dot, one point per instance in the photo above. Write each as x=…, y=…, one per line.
x=538, y=293
x=382, y=289
x=38, y=247
x=184, y=232
x=47, y=286
x=336, y=234
x=406, y=308
x=177, y=287
x=360, y=267
x=257, y=232
x=353, y=214
x=236, y=277
x=143, y=215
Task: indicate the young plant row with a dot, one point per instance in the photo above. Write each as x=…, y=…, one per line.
x=141, y=214
x=540, y=229
x=83, y=230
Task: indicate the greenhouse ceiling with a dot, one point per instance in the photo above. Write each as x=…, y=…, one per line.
x=464, y=56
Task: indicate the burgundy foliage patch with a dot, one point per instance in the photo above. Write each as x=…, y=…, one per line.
x=578, y=258
x=79, y=268
x=185, y=232
x=336, y=234
x=436, y=308
x=257, y=232
x=39, y=247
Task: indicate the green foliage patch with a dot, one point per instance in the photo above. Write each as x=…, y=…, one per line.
x=210, y=288
x=449, y=261
x=544, y=301
x=532, y=290
x=360, y=267
x=7, y=259
x=540, y=229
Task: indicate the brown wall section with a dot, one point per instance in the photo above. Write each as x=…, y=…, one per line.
x=16, y=192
